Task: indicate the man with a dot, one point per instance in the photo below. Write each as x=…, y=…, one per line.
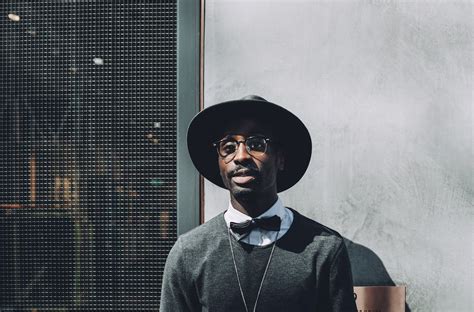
x=258, y=255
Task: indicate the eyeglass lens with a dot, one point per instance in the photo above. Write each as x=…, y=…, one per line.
x=255, y=146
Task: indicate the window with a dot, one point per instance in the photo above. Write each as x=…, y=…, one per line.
x=88, y=153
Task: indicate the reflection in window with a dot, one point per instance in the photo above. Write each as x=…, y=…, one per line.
x=87, y=153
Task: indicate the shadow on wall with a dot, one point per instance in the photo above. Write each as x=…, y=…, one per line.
x=367, y=268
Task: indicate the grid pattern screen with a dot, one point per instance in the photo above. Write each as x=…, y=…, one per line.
x=87, y=153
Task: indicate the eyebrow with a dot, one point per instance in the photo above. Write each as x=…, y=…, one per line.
x=230, y=135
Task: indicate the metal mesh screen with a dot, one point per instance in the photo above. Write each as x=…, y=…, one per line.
x=87, y=153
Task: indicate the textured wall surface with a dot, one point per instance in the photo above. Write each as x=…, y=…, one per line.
x=385, y=88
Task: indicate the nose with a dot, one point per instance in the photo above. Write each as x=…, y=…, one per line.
x=241, y=154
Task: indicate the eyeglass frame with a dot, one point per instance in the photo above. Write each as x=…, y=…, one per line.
x=247, y=148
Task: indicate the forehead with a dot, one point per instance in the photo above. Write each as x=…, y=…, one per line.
x=247, y=126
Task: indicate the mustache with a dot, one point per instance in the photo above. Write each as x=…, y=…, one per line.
x=241, y=170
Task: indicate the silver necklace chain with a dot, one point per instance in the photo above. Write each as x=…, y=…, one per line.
x=263, y=277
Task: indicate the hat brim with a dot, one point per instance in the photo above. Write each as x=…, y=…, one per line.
x=208, y=126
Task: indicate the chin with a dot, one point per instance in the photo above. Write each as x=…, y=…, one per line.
x=244, y=193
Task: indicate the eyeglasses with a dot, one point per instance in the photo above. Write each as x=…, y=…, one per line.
x=255, y=146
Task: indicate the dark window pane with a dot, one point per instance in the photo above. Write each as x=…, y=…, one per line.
x=87, y=153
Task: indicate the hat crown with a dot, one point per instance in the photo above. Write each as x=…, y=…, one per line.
x=253, y=97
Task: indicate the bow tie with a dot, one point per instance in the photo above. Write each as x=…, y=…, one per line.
x=244, y=228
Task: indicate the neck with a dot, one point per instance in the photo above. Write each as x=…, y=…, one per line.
x=253, y=207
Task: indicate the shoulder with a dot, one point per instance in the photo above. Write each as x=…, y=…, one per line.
x=204, y=236
x=312, y=226
x=315, y=235
x=194, y=248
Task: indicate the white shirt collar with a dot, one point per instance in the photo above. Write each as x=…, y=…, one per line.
x=233, y=215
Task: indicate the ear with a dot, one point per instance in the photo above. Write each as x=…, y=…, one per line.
x=280, y=160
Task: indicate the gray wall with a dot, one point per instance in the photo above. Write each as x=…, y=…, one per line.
x=385, y=88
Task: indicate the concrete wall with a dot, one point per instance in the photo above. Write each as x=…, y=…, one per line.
x=385, y=88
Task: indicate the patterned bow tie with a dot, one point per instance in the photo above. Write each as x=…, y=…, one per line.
x=244, y=228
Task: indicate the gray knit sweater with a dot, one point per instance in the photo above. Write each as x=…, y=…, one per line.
x=309, y=271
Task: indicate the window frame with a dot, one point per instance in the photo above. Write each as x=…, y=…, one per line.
x=189, y=183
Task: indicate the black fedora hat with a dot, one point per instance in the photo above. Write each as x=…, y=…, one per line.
x=208, y=126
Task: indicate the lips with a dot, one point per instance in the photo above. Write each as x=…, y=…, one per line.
x=243, y=177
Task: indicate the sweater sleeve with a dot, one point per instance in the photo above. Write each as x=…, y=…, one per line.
x=341, y=290
x=177, y=292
